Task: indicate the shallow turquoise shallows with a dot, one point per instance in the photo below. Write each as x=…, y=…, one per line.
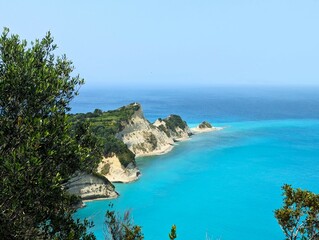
x=219, y=185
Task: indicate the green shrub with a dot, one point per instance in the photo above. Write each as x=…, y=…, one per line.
x=205, y=125
x=105, y=125
x=174, y=121
x=105, y=169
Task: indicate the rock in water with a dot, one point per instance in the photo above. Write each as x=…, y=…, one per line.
x=205, y=125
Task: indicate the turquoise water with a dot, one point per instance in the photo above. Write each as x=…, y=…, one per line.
x=225, y=184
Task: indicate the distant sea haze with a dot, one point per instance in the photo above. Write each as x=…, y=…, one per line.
x=224, y=184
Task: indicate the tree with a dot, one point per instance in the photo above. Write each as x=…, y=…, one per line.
x=299, y=217
x=121, y=228
x=172, y=235
x=37, y=150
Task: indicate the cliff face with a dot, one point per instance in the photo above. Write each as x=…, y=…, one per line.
x=114, y=171
x=89, y=186
x=144, y=138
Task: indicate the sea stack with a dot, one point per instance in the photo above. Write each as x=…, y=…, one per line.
x=204, y=127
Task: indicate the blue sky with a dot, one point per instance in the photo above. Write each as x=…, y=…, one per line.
x=178, y=42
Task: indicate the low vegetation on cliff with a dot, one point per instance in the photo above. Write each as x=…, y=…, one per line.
x=205, y=125
x=171, y=124
x=175, y=121
x=110, y=122
x=105, y=125
x=174, y=127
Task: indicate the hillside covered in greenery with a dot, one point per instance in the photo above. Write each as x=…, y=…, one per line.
x=105, y=125
x=172, y=123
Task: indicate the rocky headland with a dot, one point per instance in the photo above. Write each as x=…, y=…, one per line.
x=144, y=138
x=127, y=134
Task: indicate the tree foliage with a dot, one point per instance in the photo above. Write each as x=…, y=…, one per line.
x=37, y=149
x=299, y=217
x=172, y=235
x=105, y=125
x=121, y=228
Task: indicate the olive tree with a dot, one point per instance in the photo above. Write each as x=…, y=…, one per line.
x=121, y=228
x=299, y=217
x=37, y=150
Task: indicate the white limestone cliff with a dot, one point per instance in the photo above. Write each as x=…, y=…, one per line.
x=114, y=171
x=144, y=138
x=90, y=186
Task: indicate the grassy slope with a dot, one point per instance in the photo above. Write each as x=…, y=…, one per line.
x=105, y=125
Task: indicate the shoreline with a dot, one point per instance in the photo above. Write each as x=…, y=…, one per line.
x=100, y=199
x=164, y=150
x=194, y=131
x=197, y=130
x=157, y=152
x=122, y=180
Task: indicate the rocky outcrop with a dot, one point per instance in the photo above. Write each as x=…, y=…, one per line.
x=114, y=171
x=204, y=127
x=144, y=138
x=90, y=186
x=174, y=127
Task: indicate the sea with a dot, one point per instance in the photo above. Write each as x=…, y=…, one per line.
x=219, y=185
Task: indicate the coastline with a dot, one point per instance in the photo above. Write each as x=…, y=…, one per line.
x=165, y=150
x=100, y=199
x=194, y=131
x=117, y=174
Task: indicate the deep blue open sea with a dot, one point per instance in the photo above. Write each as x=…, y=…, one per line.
x=224, y=184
